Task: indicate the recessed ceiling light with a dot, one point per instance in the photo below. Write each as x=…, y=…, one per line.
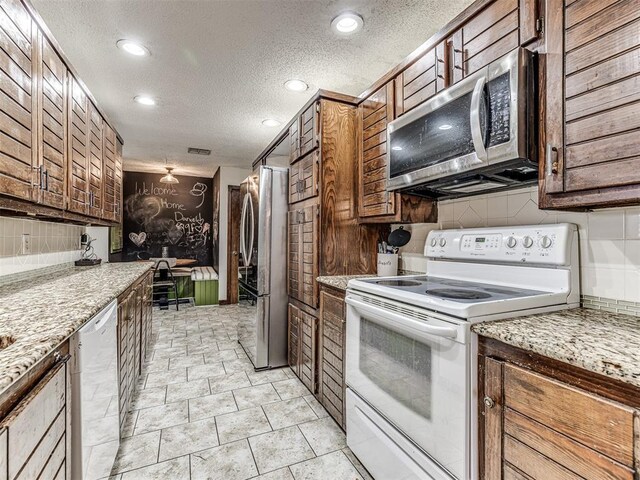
x=144, y=100
x=296, y=85
x=347, y=23
x=271, y=122
x=445, y=126
x=396, y=148
x=133, y=48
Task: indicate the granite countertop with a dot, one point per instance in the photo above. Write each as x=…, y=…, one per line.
x=340, y=281
x=42, y=312
x=598, y=341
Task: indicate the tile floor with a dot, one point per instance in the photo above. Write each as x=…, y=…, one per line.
x=202, y=412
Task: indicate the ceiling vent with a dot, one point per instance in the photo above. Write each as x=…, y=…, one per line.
x=199, y=151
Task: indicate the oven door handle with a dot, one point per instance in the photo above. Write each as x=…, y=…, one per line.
x=474, y=119
x=392, y=319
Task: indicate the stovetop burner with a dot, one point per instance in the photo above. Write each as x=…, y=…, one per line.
x=398, y=283
x=453, y=290
x=458, y=294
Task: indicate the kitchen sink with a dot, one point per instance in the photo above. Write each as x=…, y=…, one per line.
x=6, y=341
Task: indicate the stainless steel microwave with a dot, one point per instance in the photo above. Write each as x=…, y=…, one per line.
x=478, y=135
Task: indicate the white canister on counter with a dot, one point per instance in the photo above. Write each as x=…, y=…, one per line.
x=387, y=264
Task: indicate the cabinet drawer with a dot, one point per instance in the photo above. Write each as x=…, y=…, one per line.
x=601, y=425
x=36, y=428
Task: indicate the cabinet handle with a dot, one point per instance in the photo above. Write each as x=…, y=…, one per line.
x=489, y=402
x=551, y=166
x=46, y=180
x=58, y=358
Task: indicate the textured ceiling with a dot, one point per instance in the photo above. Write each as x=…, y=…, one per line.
x=217, y=66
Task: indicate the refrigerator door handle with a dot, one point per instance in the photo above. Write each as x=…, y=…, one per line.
x=246, y=205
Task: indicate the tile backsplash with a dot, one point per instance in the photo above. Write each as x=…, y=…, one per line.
x=49, y=244
x=609, y=239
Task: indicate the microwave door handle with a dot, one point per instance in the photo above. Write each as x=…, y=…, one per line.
x=476, y=129
x=393, y=319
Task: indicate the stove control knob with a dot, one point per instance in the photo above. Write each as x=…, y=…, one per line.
x=443, y=242
x=434, y=242
x=545, y=242
x=527, y=242
x=512, y=242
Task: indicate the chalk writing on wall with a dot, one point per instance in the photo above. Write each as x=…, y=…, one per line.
x=160, y=215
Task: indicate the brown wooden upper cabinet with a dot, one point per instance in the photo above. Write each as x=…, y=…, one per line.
x=375, y=203
x=303, y=178
x=591, y=152
x=18, y=91
x=95, y=173
x=56, y=149
x=304, y=132
x=78, y=185
x=52, y=136
x=109, y=167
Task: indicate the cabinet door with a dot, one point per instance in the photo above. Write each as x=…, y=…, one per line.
x=417, y=83
x=52, y=136
x=96, y=171
x=308, y=348
x=294, y=140
x=78, y=186
x=18, y=91
x=538, y=427
x=138, y=315
x=109, y=171
x=489, y=35
x=331, y=358
x=37, y=430
x=123, y=358
x=591, y=157
x=303, y=178
x=294, y=283
x=303, y=255
x=309, y=173
x=309, y=126
x=294, y=339
x=118, y=182
x=373, y=116
x=309, y=255
x=4, y=459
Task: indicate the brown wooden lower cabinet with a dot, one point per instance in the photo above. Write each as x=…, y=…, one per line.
x=316, y=350
x=134, y=335
x=539, y=420
x=302, y=344
x=331, y=356
x=34, y=435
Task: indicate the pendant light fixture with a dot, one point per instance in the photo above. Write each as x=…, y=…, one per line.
x=169, y=178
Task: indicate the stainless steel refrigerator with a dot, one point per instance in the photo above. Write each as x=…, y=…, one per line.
x=262, y=322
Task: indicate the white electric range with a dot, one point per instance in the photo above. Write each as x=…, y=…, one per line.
x=410, y=355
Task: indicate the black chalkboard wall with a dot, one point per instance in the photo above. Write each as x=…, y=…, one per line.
x=160, y=215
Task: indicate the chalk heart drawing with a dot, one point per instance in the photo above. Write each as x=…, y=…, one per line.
x=174, y=235
x=138, y=238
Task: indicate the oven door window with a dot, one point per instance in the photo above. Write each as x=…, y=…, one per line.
x=434, y=138
x=399, y=365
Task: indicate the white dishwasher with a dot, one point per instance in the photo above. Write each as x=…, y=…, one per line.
x=95, y=426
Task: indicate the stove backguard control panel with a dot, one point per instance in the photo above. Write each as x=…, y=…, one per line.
x=537, y=244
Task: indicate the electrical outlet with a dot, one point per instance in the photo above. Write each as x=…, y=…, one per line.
x=26, y=244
